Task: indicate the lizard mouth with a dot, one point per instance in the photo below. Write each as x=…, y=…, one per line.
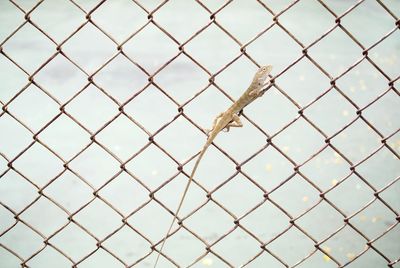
x=263, y=80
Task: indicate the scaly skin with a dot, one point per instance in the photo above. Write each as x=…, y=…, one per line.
x=225, y=120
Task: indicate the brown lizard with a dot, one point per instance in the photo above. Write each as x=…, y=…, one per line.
x=227, y=119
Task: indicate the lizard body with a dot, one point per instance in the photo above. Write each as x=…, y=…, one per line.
x=225, y=120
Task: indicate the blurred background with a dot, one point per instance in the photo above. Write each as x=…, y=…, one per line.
x=103, y=109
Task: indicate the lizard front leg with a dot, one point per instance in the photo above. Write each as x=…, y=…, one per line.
x=235, y=123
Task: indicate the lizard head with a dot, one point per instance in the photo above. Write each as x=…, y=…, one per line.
x=261, y=76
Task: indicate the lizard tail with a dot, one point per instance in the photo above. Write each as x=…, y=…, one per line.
x=182, y=199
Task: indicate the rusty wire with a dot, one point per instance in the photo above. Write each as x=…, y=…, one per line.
x=152, y=139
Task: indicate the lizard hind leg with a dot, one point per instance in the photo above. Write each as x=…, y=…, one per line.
x=208, y=131
x=234, y=123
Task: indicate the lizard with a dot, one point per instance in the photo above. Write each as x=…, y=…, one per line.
x=224, y=121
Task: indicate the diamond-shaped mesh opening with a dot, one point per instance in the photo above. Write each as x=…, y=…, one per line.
x=179, y=131
x=131, y=194
x=7, y=219
x=233, y=247
x=372, y=12
x=140, y=50
x=22, y=240
x=302, y=15
x=203, y=222
x=294, y=239
x=122, y=137
x=373, y=172
x=329, y=221
x=300, y=140
x=99, y=48
x=238, y=186
x=220, y=173
x=211, y=97
x=18, y=48
x=120, y=78
x=385, y=58
x=16, y=202
x=25, y=5
x=363, y=84
x=61, y=79
x=212, y=38
x=95, y=165
x=352, y=189
x=268, y=168
x=308, y=82
x=71, y=201
x=92, y=119
x=374, y=220
x=99, y=258
x=184, y=242
x=43, y=209
x=46, y=166
x=65, y=137
x=255, y=19
x=337, y=112
x=73, y=241
x=127, y=245
x=265, y=221
x=105, y=107
x=357, y=141
x=380, y=117
x=33, y=118
x=386, y=241
x=10, y=20
x=348, y=244
x=89, y=216
x=272, y=52
x=10, y=87
x=183, y=84
x=114, y=16
x=326, y=169
x=334, y=59
x=303, y=195
x=144, y=167
x=14, y=137
x=51, y=17
x=149, y=219
x=177, y=185
x=177, y=26
x=49, y=257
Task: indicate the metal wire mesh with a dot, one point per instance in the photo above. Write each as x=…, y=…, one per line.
x=24, y=192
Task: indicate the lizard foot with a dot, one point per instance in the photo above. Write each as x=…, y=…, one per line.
x=207, y=131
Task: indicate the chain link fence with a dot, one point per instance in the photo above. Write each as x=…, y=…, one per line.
x=104, y=106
